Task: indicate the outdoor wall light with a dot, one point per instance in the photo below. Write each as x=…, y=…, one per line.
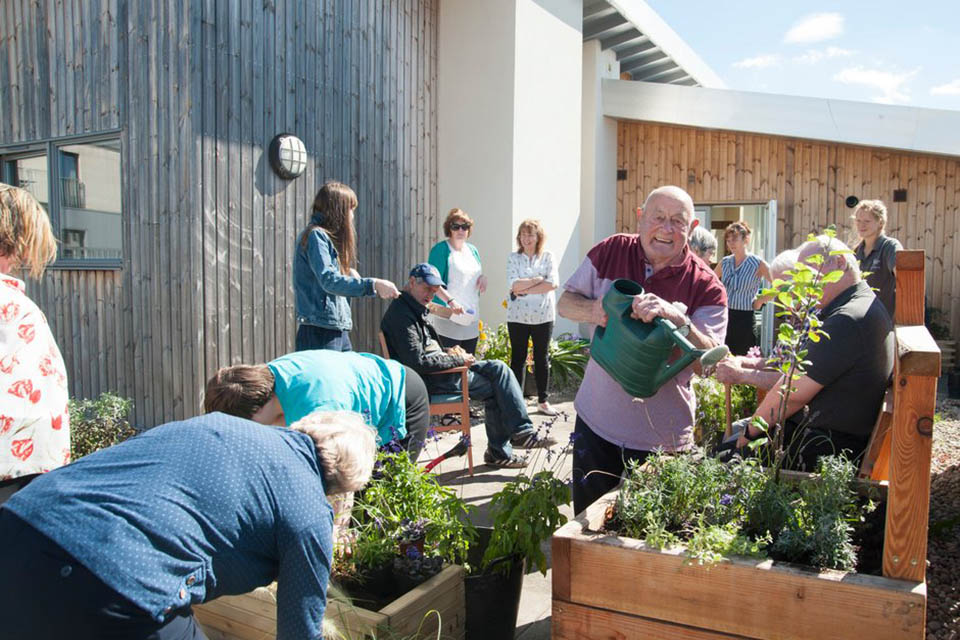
x=288, y=155
x=852, y=201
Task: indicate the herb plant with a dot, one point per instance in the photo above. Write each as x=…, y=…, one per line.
x=97, y=424
x=402, y=504
x=526, y=511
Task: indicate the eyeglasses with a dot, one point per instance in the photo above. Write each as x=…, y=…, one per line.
x=460, y=226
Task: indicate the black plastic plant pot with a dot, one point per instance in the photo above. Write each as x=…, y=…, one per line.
x=493, y=597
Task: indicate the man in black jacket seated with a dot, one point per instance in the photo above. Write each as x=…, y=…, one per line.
x=413, y=341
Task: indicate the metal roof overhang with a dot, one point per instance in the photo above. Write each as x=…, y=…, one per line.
x=646, y=47
x=843, y=121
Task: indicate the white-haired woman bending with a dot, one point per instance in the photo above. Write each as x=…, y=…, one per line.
x=192, y=510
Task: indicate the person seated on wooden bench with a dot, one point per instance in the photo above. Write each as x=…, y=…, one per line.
x=122, y=542
x=391, y=397
x=844, y=384
x=414, y=342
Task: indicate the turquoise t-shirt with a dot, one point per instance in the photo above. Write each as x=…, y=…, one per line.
x=343, y=380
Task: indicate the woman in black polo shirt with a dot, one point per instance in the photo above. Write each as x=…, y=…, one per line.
x=876, y=252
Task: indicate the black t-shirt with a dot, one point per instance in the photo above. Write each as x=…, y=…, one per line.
x=881, y=264
x=854, y=365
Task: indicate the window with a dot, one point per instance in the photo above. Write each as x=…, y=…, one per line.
x=79, y=184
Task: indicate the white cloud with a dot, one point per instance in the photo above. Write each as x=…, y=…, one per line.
x=891, y=85
x=949, y=89
x=758, y=62
x=816, y=27
x=813, y=56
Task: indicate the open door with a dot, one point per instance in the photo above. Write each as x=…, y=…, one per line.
x=767, y=246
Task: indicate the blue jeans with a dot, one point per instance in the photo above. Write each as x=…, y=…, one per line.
x=313, y=337
x=505, y=413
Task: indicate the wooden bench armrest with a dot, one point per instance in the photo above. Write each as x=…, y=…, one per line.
x=459, y=369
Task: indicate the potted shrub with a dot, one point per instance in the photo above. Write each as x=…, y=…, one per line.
x=97, y=424
x=524, y=514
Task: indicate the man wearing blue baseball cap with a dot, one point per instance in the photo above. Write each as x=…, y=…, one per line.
x=414, y=342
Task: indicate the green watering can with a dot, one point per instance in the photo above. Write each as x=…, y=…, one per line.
x=636, y=353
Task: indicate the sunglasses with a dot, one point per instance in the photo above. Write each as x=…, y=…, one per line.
x=457, y=226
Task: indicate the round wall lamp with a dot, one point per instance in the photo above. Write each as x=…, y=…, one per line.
x=288, y=155
x=852, y=201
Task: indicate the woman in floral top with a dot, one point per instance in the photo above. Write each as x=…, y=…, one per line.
x=532, y=310
x=34, y=421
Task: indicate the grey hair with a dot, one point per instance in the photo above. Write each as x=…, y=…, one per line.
x=702, y=241
x=825, y=245
x=674, y=192
x=346, y=448
x=784, y=262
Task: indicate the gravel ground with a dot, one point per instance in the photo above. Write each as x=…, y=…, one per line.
x=943, y=551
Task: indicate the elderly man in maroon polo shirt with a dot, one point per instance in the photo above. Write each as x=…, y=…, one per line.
x=612, y=427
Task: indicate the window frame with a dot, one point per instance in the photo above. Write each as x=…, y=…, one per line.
x=51, y=147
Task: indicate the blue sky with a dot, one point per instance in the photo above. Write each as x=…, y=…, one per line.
x=905, y=53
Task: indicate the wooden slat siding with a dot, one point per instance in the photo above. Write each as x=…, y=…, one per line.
x=257, y=171
x=155, y=329
x=810, y=180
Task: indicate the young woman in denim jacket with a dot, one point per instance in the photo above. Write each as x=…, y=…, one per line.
x=323, y=273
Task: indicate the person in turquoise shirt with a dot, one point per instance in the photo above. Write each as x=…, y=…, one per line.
x=391, y=397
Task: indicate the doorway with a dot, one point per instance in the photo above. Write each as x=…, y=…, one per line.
x=762, y=219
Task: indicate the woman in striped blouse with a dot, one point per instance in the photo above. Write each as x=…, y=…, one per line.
x=741, y=274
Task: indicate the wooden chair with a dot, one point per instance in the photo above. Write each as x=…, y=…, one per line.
x=448, y=403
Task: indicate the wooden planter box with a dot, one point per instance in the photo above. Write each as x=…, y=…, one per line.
x=253, y=616
x=606, y=586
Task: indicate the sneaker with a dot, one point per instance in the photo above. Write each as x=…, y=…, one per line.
x=530, y=440
x=449, y=420
x=513, y=462
x=545, y=409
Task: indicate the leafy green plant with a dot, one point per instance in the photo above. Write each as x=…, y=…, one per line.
x=400, y=495
x=711, y=408
x=566, y=355
x=97, y=424
x=526, y=511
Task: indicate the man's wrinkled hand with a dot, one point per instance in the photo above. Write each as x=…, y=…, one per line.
x=599, y=315
x=729, y=371
x=647, y=306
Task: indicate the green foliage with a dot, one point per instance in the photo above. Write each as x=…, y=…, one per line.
x=818, y=530
x=566, y=355
x=525, y=513
x=717, y=509
x=711, y=408
x=97, y=424
x=401, y=493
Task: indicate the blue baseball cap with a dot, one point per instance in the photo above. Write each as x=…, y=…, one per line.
x=428, y=273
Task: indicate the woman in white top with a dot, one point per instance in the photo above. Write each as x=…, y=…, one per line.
x=458, y=262
x=741, y=274
x=532, y=310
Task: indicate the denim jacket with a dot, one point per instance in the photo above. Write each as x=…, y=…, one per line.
x=320, y=289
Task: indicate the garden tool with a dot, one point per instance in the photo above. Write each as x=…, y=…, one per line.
x=455, y=451
x=637, y=354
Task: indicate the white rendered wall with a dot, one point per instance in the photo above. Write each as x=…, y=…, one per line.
x=509, y=74
x=598, y=186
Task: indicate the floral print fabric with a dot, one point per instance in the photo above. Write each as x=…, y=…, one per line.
x=34, y=421
x=534, y=308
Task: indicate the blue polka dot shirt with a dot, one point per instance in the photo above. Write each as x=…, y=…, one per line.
x=192, y=510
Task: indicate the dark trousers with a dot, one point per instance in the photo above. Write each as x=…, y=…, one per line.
x=470, y=346
x=740, y=336
x=804, y=447
x=313, y=337
x=597, y=465
x=520, y=336
x=417, y=402
x=47, y=594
